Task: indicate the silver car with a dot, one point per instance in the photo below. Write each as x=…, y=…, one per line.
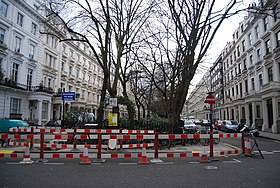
x=229, y=126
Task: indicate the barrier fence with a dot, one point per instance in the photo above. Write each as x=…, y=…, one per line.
x=99, y=138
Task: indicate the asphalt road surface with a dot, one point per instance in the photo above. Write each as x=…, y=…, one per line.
x=235, y=171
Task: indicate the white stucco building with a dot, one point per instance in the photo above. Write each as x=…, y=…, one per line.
x=36, y=67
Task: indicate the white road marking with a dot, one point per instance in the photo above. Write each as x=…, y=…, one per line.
x=53, y=163
x=237, y=160
x=12, y=163
x=127, y=163
x=165, y=163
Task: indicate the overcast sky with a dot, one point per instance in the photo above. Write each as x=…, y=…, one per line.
x=223, y=36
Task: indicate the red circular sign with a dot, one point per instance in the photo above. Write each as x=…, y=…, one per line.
x=210, y=99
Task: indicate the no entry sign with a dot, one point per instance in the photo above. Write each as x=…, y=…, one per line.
x=210, y=99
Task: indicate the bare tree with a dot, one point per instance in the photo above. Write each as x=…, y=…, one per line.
x=108, y=27
x=179, y=42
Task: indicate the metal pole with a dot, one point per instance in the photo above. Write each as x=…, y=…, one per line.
x=42, y=147
x=243, y=143
x=99, y=146
x=63, y=115
x=156, y=144
x=211, y=130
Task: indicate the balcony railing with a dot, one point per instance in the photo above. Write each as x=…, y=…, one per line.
x=9, y=83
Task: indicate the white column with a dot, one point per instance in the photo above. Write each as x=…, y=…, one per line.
x=254, y=114
x=247, y=114
x=39, y=112
x=265, y=117
x=274, y=108
x=239, y=113
x=49, y=111
x=236, y=115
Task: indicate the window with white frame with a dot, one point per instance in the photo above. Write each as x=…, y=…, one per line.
x=260, y=80
x=278, y=39
x=243, y=46
x=3, y=8
x=77, y=73
x=31, y=51
x=15, y=105
x=250, y=39
x=33, y=28
x=45, y=110
x=29, y=78
x=63, y=65
x=259, y=54
x=265, y=23
x=15, y=72
x=2, y=35
x=268, y=46
x=251, y=59
x=270, y=74
x=246, y=86
x=20, y=19
x=257, y=31
x=244, y=64
x=253, y=83
x=52, y=41
x=70, y=69
x=238, y=51
x=50, y=60
x=18, y=44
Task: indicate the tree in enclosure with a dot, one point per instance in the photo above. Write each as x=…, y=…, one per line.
x=108, y=27
x=176, y=44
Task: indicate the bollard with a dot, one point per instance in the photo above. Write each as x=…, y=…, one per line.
x=26, y=155
x=42, y=147
x=99, y=160
x=156, y=159
x=32, y=138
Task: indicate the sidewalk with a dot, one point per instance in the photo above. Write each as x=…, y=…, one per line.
x=270, y=135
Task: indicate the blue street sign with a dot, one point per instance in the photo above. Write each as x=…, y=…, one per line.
x=68, y=96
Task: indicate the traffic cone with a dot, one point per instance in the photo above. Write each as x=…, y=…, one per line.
x=248, y=147
x=144, y=159
x=204, y=157
x=26, y=155
x=85, y=159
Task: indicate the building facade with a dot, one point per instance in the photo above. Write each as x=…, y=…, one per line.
x=36, y=68
x=246, y=76
x=251, y=70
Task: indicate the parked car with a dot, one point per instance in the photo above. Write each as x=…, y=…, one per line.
x=205, y=122
x=54, y=123
x=229, y=126
x=218, y=124
x=189, y=127
x=197, y=122
x=6, y=124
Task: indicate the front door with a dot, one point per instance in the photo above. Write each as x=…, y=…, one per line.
x=250, y=114
x=269, y=113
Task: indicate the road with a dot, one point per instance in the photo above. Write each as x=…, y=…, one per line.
x=235, y=171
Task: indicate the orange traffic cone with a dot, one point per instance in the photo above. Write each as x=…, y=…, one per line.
x=248, y=147
x=26, y=155
x=85, y=159
x=144, y=159
x=204, y=157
